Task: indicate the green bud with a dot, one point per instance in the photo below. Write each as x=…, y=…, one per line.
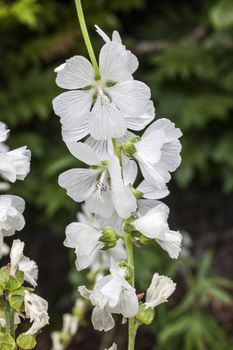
x=129, y=147
x=15, y=282
x=16, y=299
x=7, y=342
x=109, y=238
x=145, y=240
x=137, y=194
x=144, y=315
x=128, y=227
x=105, y=162
x=26, y=341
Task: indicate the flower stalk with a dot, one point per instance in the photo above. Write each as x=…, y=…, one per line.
x=9, y=313
x=87, y=38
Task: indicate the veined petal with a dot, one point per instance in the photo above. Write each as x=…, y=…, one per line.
x=124, y=201
x=75, y=74
x=78, y=183
x=149, y=147
x=171, y=243
x=104, y=148
x=106, y=121
x=151, y=192
x=129, y=169
x=102, y=320
x=83, y=152
x=128, y=304
x=144, y=205
x=167, y=126
x=102, y=34
x=113, y=63
x=72, y=105
x=100, y=203
x=140, y=121
x=76, y=129
x=131, y=97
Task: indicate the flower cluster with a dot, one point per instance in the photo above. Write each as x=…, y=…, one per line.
x=99, y=114
x=17, y=301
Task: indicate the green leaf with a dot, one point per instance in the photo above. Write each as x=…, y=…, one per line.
x=26, y=341
x=16, y=300
x=7, y=342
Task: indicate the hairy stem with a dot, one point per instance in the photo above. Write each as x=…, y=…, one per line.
x=87, y=38
x=132, y=326
x=9, y=313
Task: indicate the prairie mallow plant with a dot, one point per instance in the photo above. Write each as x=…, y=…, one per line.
x=19, y=277
x=100, y=115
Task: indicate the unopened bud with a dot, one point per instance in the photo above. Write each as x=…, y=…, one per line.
x=129, y=147
x=109, y=238
x=145, y=315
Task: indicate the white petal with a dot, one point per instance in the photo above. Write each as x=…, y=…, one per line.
x=102, y=320
x=140, y=121
x=159, y=291
x=106, y=121
x=99, y=206
x=76, y=73
x=79, y=183
x=16, y=255
x=104, y=148
x=151, y=192
x=102, y=34
x=113, y=63
x=167, y=126
x=128, y=304
x=149, y=147
x=154, y=223
x=30, y=270
x=129, y=169
x=77, y=128
x=7, y=169
x=84, y=153
x=71, y=106
x=20, y=158
x=4, y=132
x=124, y=201
x=171, y=243
x=144, y=205
x=131, y=97
x=170, y=158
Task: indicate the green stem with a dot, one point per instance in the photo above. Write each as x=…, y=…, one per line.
x=9, y=313
x=132, y=321
x=87, y=38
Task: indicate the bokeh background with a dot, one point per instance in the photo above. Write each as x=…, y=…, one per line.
x=185, y=52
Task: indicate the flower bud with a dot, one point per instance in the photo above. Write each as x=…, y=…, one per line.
x=129, y=147
x=109, y=238
x=137, y=194
x=145, y=315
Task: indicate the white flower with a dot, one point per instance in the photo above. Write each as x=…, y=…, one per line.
x=15, y=164
x=113, y=347
x=36, y=309
x=23, y=263
x=111, y=294
x=154, y=226
x=11, y=218
x=131, y=59
x=3, y=132
x=158, y=152
x=57, y=343
x=159, y=291
x=102, y=106
x=101, y=187
x=4, y=250
x=70, y=324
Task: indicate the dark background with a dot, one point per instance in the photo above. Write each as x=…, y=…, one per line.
x=185, y=53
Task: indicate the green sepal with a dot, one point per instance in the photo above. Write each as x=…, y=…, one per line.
x=1, y=291
x=137, y=194
x=26, y=341
x=4, y=277
x=15, y=282
x=7, y=342
x=16, y=299
x=145, y=240
x=145, y=315
x=108, y=237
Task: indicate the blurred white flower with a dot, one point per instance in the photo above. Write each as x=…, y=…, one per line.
x=70, y=324
x=4, y=249
x=159, y=291
x=154, y=226
x=103, y=106
x=4, y=132
x=36, y=309
x=11, y=218
x=23, y=263
x=101, y=186
x=113, y=347
x=57, y=343
x=111, y=294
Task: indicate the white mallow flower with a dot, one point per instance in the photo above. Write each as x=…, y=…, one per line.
x=160, y=289
x=57, y=343
x=154, y=226
x=102, y=106
x=23, y=263
x=70, y=324
x=11, y=218
x=101, y=186
x=158, y=152
x=111, y=294
x=36, y=309
x=15, y=164
x=4, y=249
x=84, y=238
